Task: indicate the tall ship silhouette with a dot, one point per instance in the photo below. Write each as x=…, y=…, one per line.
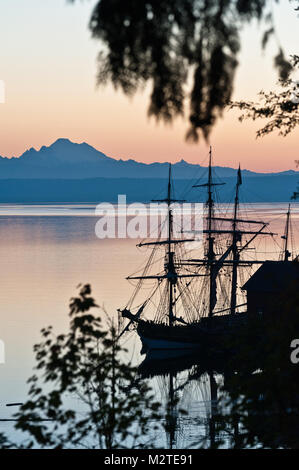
x=187, y=298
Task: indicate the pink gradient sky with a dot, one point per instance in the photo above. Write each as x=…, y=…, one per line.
x=49, y=67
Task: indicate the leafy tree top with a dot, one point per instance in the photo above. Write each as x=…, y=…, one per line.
x=186, y=49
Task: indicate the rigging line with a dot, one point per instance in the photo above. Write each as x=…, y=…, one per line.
x=173, y=187
x=182, y=292
x=202, y=295
x=293, y=245
x=223, y=290
x=153, y=263
x=162, y=191
x=276, y=243
x=123, y=343
x=142, y=268
x=141, y=305
x=217, y=178
x=194, y=180
x=216, y=192
x=149, y=299
x=154, y=304
x=162, y=311
x=140, y=281
x=253, y=193
x=160, y=303
x=160, y=226
x=191, y=305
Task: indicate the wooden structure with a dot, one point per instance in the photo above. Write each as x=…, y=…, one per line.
x=268, y=284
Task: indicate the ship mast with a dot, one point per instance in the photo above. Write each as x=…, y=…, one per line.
x=285, y=237
x=212, y=261
x=170, y=268
x=211, y=239
x=170, y=274
x=235, y=251
x=210, y=204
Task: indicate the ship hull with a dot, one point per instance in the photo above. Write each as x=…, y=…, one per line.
x=208, y=332
x=164, y=344
x=163, y=337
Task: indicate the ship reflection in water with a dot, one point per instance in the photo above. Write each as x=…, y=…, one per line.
x=212, y=403
x=183, y=385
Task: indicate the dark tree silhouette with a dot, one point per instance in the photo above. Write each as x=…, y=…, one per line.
x=280, y=110
x=115, y=410
x=186, y=49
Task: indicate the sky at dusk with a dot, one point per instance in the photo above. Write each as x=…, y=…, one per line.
x=48, y=64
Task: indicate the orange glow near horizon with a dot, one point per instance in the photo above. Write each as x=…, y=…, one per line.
x=51, y=93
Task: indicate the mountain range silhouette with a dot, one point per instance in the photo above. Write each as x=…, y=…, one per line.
x=68, y=160
x=72, y=172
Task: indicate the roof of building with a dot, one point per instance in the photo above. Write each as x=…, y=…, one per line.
x=273, y=276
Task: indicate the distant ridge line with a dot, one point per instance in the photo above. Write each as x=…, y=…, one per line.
x=68, y=160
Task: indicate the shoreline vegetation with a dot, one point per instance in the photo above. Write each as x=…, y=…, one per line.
x=258, y=407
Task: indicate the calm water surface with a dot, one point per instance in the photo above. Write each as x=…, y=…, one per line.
x=46, y=251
